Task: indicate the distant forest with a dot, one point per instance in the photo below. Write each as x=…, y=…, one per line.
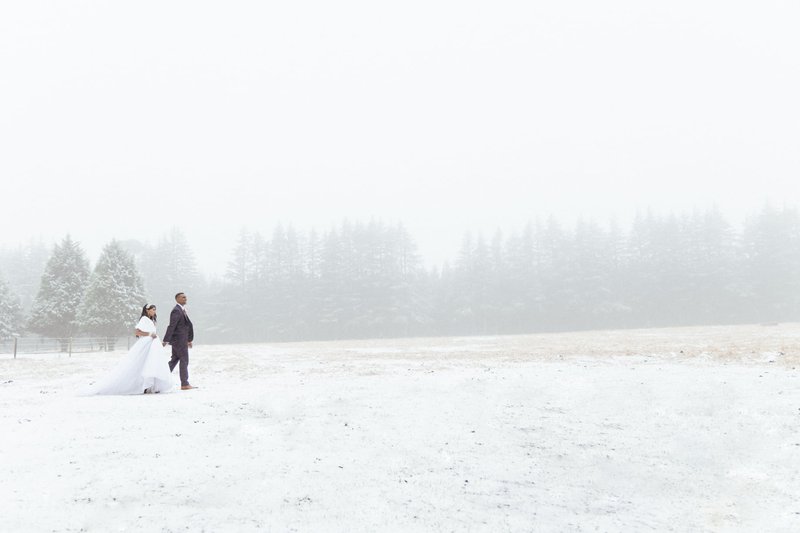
x=366, y=280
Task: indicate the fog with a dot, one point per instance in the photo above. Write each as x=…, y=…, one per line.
x=207, y=118
x=122, y=122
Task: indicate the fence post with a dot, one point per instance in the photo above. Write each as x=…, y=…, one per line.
x=70, y=347
x=15, y=346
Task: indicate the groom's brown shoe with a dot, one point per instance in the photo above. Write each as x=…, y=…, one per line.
x=186, y=387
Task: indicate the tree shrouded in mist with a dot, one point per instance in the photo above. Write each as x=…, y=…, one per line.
x=22, y=267
x=55, y=310
x=114, y=296
x=10, y=311
x=771, y=263
x=168, y=268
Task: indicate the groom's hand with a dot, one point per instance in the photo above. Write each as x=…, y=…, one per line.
x=190, y=344
x=163, y=344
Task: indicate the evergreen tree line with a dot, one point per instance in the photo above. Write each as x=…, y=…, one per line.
x=71, y=299
x=362, y=280
x=366, y=280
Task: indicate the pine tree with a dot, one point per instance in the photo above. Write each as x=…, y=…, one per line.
x=241, y=267
x=10, y=311
x=114, y=295
x=170, y=267
x=23, y=267
x=586, y=274
x=55, y=310
x=552, y=259
x=713, y=277
x=771, y=245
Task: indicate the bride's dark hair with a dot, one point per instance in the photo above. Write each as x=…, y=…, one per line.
x=144, y=311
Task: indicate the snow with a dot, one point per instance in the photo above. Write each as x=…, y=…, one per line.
x=691, y=429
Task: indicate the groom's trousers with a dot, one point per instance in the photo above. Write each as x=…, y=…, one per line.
x=180, y=354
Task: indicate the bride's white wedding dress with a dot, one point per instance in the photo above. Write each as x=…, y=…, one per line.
x=144, y=369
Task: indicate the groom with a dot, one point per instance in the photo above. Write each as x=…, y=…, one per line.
x=180, y=334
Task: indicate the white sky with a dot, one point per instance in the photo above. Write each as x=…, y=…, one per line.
x=122, y=119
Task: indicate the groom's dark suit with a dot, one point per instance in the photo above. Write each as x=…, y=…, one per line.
x=180, y=333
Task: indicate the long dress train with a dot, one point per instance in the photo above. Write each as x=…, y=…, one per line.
x=144, y=369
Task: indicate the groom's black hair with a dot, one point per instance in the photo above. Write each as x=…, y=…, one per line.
x=176, y=296
x=144, y=311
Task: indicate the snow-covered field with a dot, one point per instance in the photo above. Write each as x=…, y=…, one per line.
x=694, y=429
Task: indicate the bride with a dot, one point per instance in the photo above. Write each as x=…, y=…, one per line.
x=144, y=369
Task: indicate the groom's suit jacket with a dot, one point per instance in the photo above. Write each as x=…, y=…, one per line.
x=180, y=327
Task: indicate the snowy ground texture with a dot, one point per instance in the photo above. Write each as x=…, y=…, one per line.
x=694, y=429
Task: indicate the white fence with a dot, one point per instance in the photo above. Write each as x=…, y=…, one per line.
x=43, y=345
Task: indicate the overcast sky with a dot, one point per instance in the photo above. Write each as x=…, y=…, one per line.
x=122, y=119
